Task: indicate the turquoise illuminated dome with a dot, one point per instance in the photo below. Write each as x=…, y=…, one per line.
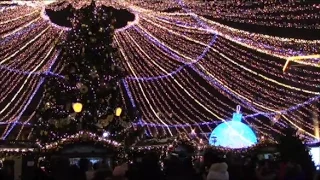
x=233, y=134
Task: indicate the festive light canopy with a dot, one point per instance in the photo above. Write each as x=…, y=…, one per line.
x=188, y=64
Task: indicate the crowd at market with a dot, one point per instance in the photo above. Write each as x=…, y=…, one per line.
x=173, y=167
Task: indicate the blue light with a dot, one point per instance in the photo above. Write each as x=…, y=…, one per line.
x=233, y=134
x=16, y=121
x=237, y=117
x=173, y=55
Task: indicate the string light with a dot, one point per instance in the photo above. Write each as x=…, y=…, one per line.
x=82, y=135
x=8, y=130
x=271, y=45
x=163, y=52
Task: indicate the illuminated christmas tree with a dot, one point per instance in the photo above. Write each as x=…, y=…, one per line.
x=87, y=96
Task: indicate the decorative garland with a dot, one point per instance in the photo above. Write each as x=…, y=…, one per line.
x=162, y=146
x=9, y=152
x=198, y=145
x=243, y=151
x=82, y=136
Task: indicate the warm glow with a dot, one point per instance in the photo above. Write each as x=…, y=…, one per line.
x=293, y=58
x=77, y=107
x=118, y=111
x=297, y=58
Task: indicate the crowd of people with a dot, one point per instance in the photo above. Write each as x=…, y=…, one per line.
x=173, y=167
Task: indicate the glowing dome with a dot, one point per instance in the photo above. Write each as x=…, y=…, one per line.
x=233, y=134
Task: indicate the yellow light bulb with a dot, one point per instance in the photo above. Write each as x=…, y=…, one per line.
x=77, y=107
x=118, y=111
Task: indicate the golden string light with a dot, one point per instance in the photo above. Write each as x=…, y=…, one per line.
x=166, y=51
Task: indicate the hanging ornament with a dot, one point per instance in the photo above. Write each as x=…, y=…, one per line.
x=93, y=40
x=94, y=74
x=43, y=133
x=84, y=89
x=79, y=85
x=47, y=105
